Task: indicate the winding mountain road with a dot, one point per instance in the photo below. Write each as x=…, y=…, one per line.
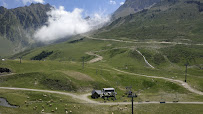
x=98, y=57
x=134, y=42
x=179, y=82
x=84, y=98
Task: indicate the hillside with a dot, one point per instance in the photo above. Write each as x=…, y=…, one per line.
x=17, y=26
x=147, y=51
x=170, y=21
x=133, y=6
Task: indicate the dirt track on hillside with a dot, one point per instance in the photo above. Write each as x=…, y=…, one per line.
x=85, y=100
x=179, y=82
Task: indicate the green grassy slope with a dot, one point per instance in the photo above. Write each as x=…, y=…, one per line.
x=62, y=70
x=70, y=104
x=166, y=21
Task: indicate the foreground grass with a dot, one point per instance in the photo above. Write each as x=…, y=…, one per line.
x=28, y=100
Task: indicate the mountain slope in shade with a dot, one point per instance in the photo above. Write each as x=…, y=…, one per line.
x=17, y=26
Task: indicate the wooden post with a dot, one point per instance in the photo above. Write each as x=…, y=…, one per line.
x=186, y=72
x=20, y=59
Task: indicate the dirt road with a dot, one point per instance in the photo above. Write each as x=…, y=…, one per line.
x=84, y=98
x=98, y=57
x=134, y=42
x=145, y=59
x=179, y=82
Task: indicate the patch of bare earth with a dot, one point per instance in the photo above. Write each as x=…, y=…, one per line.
x=78, y=75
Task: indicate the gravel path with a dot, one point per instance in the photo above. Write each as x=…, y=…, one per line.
x=179, y=82
x=134, y=42
x=84, y=98
x=98, y=57
x=145, y=59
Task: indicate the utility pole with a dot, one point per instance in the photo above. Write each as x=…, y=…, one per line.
x=186, y=72
x=132, y=105
x=132, y=95
x=20, y=59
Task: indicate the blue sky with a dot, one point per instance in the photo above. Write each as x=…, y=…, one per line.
x=89, y=6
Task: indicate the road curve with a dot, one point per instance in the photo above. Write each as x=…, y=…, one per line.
x=98, y=57
x=84, y=98
x=179, y=82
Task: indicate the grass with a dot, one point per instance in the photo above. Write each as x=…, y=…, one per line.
x=49, y=75
x=165, y=21
x=57, y=73
x=62, y=69
x=28, y=100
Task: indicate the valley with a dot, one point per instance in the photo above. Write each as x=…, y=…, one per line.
x=153, y=47
x=55, y=74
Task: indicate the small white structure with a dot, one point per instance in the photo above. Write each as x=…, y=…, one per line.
x=3, y=59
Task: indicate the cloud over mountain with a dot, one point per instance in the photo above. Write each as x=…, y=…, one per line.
x=62, y=23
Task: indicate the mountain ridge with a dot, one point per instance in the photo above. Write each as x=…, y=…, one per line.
x=133, y=6
x=17, y=25
x=165, y=21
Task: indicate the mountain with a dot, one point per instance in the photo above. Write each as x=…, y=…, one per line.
x=133, y=6
x=17, y=26
x=168, y=20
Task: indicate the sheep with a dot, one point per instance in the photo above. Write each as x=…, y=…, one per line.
x=42, y=110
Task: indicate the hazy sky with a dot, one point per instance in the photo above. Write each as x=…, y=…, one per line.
x=89, y=6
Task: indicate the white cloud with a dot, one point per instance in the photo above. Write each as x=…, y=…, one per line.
x=112, y=2
x=5, y=4
x=121, y=3
x=31, y=1
x=62, y=24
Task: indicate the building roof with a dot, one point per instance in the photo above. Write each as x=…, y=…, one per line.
x=108, y=89
x=97, y=91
